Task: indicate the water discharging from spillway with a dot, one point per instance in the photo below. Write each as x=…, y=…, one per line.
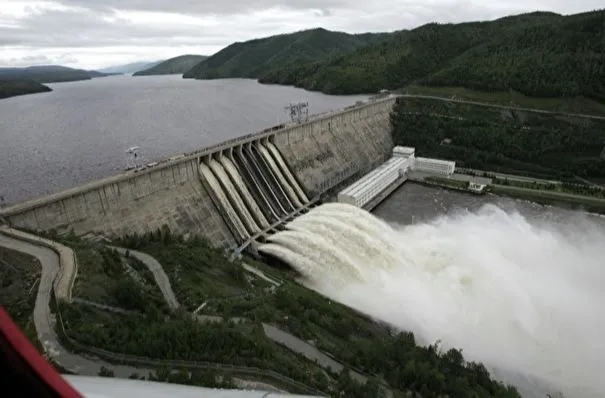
x=522, y=297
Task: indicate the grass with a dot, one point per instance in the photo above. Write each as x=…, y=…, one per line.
x=19, y=280
x=355, y=340
x=512, y=98
x=105, y=277
x=199, y=274
x=195, y=275
x=94, y=327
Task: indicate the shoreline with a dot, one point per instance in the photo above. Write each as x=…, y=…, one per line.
x=586, y=203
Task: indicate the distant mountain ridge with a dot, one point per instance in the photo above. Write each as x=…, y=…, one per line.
x=48, y=74
x=537, y=54
x=130, y=67
x=176, y=65
x=255, y=58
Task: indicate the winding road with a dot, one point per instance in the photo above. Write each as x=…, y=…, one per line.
x=62, y=275
x=60, y=270
x=158, y=274
x=45, y=320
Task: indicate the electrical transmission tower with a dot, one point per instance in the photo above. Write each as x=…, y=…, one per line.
x=299, y=112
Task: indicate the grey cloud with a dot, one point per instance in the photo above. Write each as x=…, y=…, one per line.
x=94, y=24
x=213, y=7
x=86, y=28
x=328, y=6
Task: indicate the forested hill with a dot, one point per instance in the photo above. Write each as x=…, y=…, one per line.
x=254, y=58
x=173, y=66
x=12, y=88
x=537, y=54
x=48, y=74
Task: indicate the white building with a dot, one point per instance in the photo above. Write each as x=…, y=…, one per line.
x=436, y=166
x=373, y=183
x=404, y=151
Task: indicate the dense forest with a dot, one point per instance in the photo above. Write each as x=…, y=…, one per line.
x=516, y=142
x=200, y=274
x=12, y=88
x=173, y=66
x=537, y=54
x=254, y=58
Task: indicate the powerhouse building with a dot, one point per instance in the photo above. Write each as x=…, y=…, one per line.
x=392, y=171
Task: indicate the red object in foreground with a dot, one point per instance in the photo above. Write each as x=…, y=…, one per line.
x=23, y=369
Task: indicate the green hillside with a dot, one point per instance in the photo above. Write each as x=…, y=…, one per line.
x=562, y=57
x=173, y=66
x=537, y=54
x=550, y=146
x=255, y=58
x=12, y=88
x=48, y=74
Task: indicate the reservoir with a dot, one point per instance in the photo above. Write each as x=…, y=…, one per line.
x=80, y=131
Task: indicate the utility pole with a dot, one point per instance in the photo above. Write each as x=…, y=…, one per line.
x=298, y=112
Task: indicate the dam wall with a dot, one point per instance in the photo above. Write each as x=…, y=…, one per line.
x=324, y=153
x=136, y=203
x=286, y=167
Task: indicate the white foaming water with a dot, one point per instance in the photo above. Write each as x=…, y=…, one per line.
x=520, y=297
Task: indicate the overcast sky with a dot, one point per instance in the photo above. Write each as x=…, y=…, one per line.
x=99, y=33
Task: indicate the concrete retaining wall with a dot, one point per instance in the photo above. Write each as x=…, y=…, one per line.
x=321, y=153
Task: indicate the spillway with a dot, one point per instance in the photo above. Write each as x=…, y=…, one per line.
x=264, y=201
x=520, y=296
x=223, y=202
x=239, y=183
x=282, y=164
x=234, y=197
x=252, y=189
x=269, y=178
x=281, y=180
x=254, y=172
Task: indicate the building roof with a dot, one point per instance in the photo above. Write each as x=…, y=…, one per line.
x=376, y=174
x=404, y=149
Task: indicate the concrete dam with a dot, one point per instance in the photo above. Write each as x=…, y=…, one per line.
x=229, y=193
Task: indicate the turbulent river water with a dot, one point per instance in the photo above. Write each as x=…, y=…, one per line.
x=515, y=285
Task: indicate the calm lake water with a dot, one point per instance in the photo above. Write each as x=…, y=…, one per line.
x=80, y=131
